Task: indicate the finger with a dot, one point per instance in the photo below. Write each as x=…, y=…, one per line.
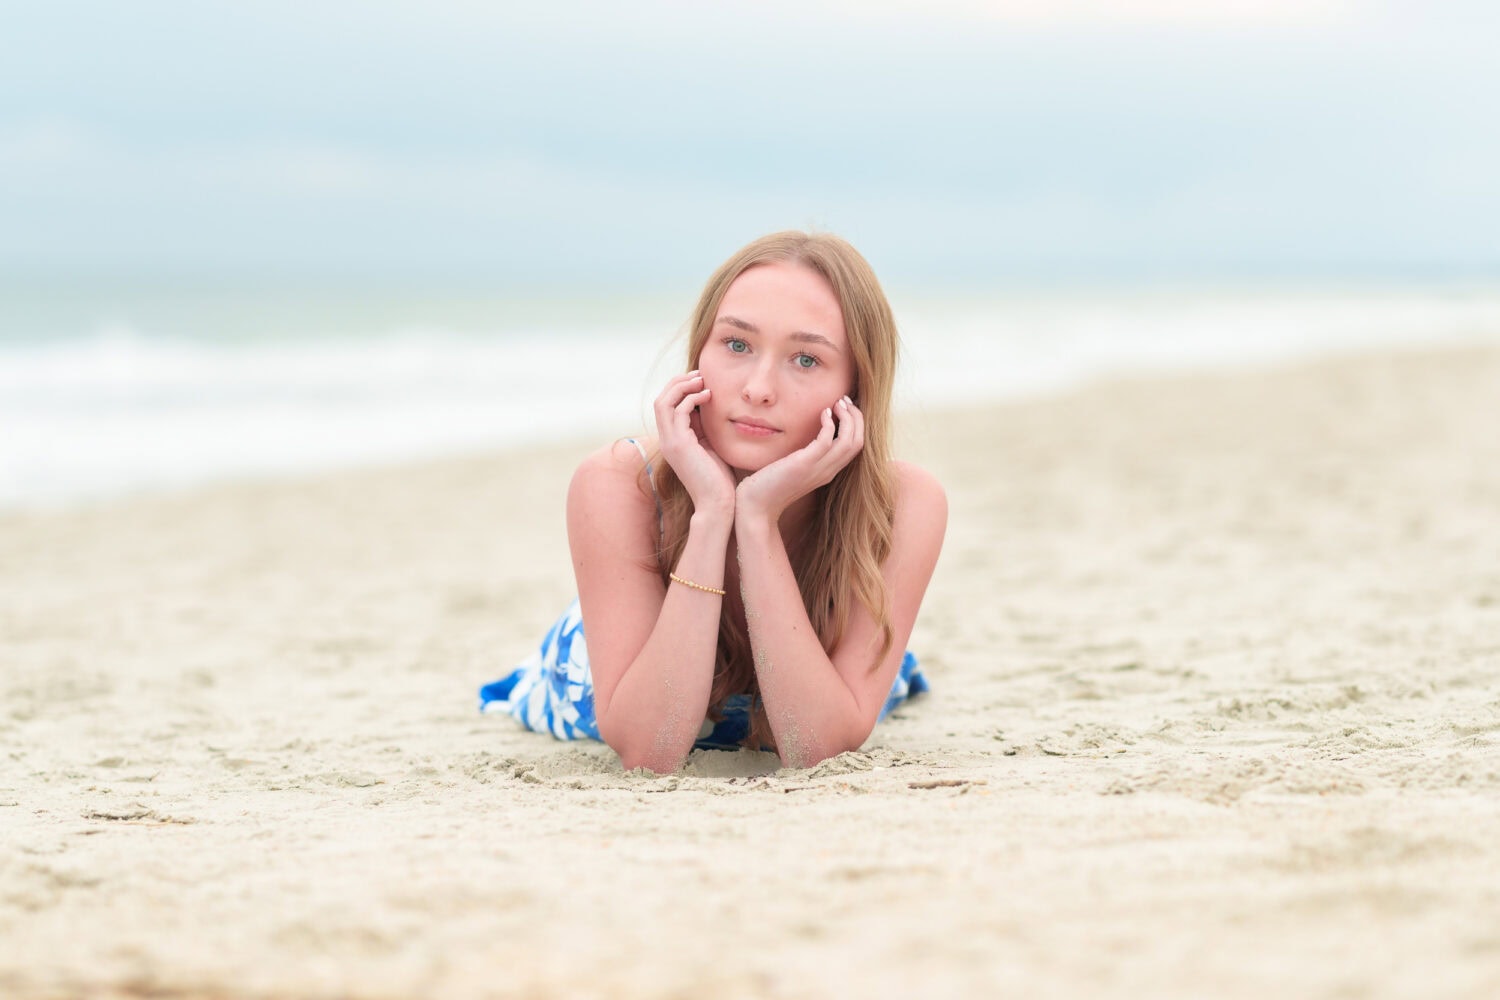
x=687, y=430
x=677, y=385
x=671, y=414
x=692, y=401
x=858, y=420
x=676, y=423
x=847, y=421
x=850, y=438
x=695, y=424
x=827, y=432
x=811, y=456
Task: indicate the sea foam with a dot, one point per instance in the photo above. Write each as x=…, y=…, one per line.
x=119, y=408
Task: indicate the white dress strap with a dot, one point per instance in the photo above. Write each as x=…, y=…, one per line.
x=651, y=478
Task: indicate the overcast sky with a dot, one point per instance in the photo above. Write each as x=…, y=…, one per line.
x=562, y=143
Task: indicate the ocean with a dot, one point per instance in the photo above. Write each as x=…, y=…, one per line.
x=108, y=391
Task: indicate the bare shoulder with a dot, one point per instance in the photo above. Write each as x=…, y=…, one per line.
x=609, y=496
x=919, y=495
x=613, y=471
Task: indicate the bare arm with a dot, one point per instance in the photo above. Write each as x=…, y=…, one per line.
x=651, y=648
x=821, y=705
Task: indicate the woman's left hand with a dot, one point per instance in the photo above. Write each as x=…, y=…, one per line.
x=777, y=486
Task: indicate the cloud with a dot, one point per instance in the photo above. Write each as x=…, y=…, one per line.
x=961, y=138
x=41, y=145
x=1094, y=13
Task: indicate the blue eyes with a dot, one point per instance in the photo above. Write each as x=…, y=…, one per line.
x=804, y=361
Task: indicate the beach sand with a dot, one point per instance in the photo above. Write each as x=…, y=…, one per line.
x=1216, y=714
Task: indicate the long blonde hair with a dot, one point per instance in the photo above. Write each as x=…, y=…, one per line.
x=849, y=536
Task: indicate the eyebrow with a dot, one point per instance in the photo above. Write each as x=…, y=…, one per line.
x=801, y=336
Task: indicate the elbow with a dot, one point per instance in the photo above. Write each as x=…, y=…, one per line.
x=651, y=754
x=656, y=762
x=813, y=752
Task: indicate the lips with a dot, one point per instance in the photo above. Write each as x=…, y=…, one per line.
x=752, y=422
x=751, y=427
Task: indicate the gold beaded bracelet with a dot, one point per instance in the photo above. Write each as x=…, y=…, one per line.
x=695, y=586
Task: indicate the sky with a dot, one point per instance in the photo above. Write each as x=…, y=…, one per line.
x=568, y=144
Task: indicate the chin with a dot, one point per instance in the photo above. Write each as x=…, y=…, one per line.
x=746, y=460
x=745, y=456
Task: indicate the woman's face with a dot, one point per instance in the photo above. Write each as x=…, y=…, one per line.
x=775, y=358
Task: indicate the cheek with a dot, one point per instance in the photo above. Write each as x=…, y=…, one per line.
x=811, y=420
x=712, y=414
x=712, y=371
x=715, y=387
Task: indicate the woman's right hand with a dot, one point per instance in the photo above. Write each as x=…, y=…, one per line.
x=704, y=475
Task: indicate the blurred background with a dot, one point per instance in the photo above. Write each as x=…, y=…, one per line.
x=255, y=239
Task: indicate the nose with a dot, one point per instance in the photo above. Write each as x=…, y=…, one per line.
x=760, y=386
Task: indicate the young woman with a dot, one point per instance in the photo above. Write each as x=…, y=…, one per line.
x=751, y=575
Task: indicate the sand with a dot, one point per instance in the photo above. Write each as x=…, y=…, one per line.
x=1216, y=713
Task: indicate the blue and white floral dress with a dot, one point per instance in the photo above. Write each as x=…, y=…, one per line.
x=552, y=691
